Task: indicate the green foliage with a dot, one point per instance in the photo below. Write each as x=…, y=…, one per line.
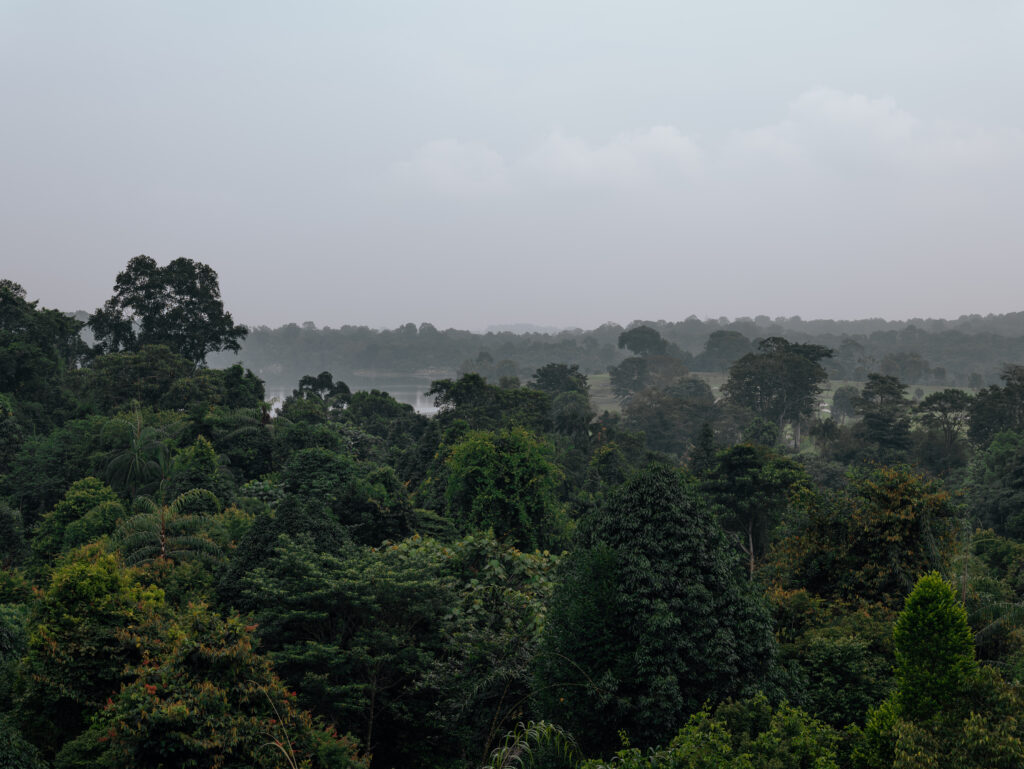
x=368, y=500
x=140, y=456
x=535, y=744
x=198, y=467
x=37, y=349
x=15, y=751
x=13, y=643
x=749, y=734
x=355, y=635
x=945, y=711
x=142, y=377
x=934, y=649
x=483, y=681
x=13, y=547
x=201, y=696
x=995, y=485
x=672, y=417
x=681, y=622
x=997, y=409
x=178, y=305
x=885, y=418
x=47, y=464
x=174, y=532
x=871, y=540
x=485, y=407
x=559, y=378
x=76, y=656
x=505, y=481
x=85, y=496
x=781, y=382
x=643, y=341
x=750, y=489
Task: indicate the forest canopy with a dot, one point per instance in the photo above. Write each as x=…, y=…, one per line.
x=728, y=576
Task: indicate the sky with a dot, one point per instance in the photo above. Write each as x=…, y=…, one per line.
x=559, y=163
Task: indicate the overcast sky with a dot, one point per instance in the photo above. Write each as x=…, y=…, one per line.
x=561, y=163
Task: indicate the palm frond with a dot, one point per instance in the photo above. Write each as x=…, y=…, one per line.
x=522, y=747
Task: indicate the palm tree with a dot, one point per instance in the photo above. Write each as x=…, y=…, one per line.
x=168, y=532
x=144, y=453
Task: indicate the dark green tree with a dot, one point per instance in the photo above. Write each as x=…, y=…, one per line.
x=750, y=488
x=76, y=657
x=996, y=409
x=556, y=378
x=871, y=540
x=643, y=341
x=885, y=418
x=780, y=382
x=355, y=633
x=203, y=697
x=844, y=403
x=178, y=305
x=38, y=348
x=505, y=481
x=683, y=624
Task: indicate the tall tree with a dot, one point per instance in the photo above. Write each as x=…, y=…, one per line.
x=885, y=412
x=652, y=618
x=178, y=305
x=781, y=382
x=37, y=348
x=750, y=488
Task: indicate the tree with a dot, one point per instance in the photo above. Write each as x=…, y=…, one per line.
x=722, y=349
x=995, y=485
x=844, y=401
x=505, y=481
x=934, y=649
x=945, y=414
x=355, y=634
x=83, y=497
x=38, y=347
x=202, y=697
x=173, y=532
x=75, y=657
x=872, y=540
x=945, y=710
x=652, y=617
x=643, y=341
x=556, y=378
x=781, y=382
x=750, y=489
x=995, y=409
x=885, y=417
x=178, y=305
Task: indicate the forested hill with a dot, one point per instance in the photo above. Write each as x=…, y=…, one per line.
x=969, y=351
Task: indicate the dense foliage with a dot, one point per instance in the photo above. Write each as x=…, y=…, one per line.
x=716, y=573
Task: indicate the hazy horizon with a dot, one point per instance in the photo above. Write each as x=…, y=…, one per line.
x=565, y=165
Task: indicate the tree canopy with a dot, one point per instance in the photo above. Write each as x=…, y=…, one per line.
x=178, y=305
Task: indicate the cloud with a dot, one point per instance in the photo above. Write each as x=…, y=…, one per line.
x=460, y=168
x=830, y=129
x=660, y=152
x=454, y=167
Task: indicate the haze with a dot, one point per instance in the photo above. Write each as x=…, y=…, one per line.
x=477, y=163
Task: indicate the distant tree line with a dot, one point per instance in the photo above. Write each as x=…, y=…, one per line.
x=967, y=352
